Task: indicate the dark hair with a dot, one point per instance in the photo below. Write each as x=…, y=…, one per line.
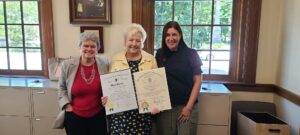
x=165, y=51
x=175, y=25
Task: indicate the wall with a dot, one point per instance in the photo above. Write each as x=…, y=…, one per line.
x=278, y=52
x=289, y=74
x=66, y=34
x=252, y=96
x=279, y=44
x=269, y=42
x=288, y=112
x=288, y=71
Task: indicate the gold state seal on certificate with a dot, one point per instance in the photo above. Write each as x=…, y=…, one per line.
x=119, y=89
x=152, y=90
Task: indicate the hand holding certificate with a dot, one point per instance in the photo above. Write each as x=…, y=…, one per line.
x=119, y=89
x=152, y=90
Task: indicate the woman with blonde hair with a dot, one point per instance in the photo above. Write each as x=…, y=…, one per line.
x=135, y=59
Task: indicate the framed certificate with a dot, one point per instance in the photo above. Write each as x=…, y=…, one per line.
x=152, y=90
x=118, y=87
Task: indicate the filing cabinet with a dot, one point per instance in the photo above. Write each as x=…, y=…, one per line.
x=214, y=102
x=28, y=111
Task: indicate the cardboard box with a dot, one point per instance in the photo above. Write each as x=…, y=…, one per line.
x=250, y=123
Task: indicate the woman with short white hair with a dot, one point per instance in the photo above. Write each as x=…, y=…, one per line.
x=133, y=57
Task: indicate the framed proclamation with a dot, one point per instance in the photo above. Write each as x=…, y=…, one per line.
x=152, y=90
x=118, y=87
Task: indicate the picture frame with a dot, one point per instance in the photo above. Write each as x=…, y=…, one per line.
x=98, y=30
x=90, y=11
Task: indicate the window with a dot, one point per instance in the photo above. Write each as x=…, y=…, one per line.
x=224, y=32
x=25, y=43
x=206, y=25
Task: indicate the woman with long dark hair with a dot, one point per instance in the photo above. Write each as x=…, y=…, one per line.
x=183, y=70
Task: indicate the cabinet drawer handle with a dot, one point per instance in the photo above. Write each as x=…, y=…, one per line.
x=41, y=92
x=274, y=130
x=37, y=119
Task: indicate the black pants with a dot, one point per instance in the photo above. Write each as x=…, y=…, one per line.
x=76, y=125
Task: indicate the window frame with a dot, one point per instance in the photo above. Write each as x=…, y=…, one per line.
x=245, y=36
x=193, y=26
x=47, y=42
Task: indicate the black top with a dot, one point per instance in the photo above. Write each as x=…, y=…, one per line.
x=134, y=67
x=181, y=66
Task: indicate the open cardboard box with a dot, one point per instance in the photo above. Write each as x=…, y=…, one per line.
x=250, y=123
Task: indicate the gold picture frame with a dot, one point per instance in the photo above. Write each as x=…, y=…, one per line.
x=98, y=31
x=90, y=11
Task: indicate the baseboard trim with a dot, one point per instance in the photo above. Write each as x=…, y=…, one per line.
x=265, y=88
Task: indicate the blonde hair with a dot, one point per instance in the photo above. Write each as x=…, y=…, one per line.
x=133, y=29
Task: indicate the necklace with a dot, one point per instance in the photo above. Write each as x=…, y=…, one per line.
x=91, y=78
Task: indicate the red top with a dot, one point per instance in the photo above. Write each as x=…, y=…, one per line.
x=86, y=97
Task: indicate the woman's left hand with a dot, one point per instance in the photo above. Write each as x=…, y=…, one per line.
x=184, y=115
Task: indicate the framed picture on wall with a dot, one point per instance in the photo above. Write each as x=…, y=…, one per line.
x=98, y=31
x=90, y=11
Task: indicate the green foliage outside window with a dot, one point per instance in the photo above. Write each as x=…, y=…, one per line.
x=163, y=12
x=182, y=12
x=201, y=23
x=206, y=27
x=20, y=34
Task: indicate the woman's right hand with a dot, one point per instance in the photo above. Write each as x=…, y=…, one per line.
x=155, y=110
x=104, y=100
x=69, y=108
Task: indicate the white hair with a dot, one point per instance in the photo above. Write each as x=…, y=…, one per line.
x=133, y=29
x=89, y=36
